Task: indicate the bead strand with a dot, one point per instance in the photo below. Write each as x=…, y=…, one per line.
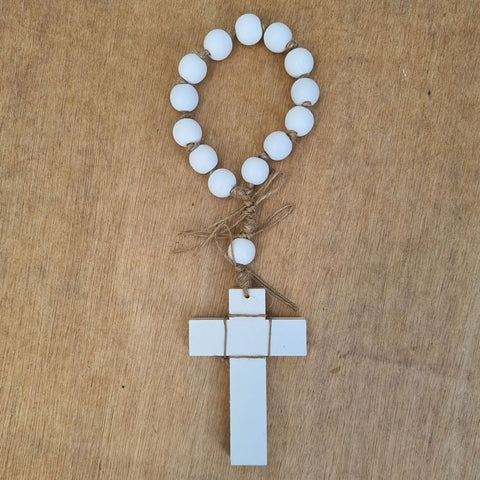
x=278, y=145
x=218, y=45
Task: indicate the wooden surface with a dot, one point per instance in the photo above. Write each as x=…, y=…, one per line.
x=381, y=255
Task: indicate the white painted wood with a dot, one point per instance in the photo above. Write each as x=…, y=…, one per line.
x=248, y=411
x=247, y=336
x=242, y=250
x=288, y=337
x=253, y=305
x=206, y=337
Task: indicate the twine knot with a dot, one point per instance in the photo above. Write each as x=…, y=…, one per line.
x=248, y=225
x=244, y=278
x=242, y=222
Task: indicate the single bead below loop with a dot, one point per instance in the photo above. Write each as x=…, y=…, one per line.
x=241, y=251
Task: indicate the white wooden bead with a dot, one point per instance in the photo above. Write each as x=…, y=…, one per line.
x=305, y=90
x=300, y=120
x=248, y=29
x=298, y=62
x=255, y=170
x=186, y=131
x=221, y=182
x=278, y=145
x=218, y=43
x=203, y=159
x=242, y=250
x=184, y=97
x=276, y=37
x=192, y=68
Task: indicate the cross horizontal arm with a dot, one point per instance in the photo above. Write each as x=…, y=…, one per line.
x=248, y=337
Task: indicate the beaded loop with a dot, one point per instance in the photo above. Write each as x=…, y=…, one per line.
x=278, y=145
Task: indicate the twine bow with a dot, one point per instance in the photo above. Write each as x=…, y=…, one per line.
x=242, y=222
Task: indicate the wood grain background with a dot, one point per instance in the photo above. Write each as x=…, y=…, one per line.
x=382, y=254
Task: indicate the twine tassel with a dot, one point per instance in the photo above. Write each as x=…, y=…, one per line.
x=242, y=222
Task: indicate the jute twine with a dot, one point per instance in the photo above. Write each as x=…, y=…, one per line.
x=242, y=223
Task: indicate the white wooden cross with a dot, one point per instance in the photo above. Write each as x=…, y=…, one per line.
x=248, y=338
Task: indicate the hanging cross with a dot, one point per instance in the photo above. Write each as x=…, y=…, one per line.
x=248, y=337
